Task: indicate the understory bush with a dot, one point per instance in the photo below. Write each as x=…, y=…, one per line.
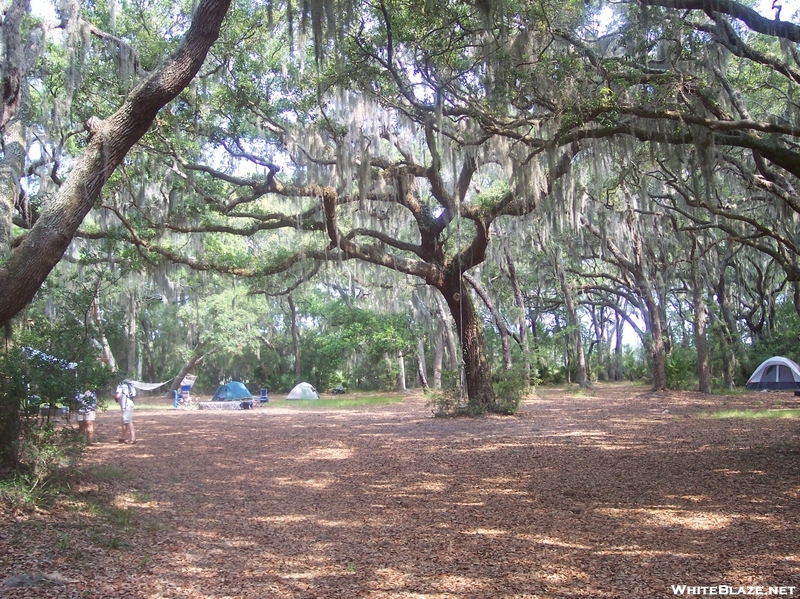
x=452, y=400
x=46, y=453
x=509, y=390
x=681, y=368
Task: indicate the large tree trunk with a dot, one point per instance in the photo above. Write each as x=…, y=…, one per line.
x=109, y=141
x=14, y=115
x=469, y=327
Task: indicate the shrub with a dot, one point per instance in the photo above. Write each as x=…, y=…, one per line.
x=510, y=390
x=450, y=400
x=45, y=453
x=681, y=368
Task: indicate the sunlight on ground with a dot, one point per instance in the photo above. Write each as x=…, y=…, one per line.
x=753, y=414
x=490, y=532
x=551, y=541
x=669, y=518
x=430, y=486
x=327, y=453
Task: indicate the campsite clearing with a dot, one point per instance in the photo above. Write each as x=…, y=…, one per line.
x=615, y=493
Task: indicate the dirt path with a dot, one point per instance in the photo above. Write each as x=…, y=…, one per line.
x=620, y=494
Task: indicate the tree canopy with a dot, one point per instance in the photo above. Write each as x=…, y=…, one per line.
x=521, y=182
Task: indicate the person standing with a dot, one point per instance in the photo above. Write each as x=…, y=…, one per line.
x=124, y=395
x=86, y=404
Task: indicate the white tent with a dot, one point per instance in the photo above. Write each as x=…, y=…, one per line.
x=776, y=373
x=303, y=391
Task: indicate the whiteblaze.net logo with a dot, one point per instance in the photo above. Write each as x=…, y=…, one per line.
x=726, y=590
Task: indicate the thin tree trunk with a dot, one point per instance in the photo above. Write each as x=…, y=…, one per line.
x=727, y=328
x=619, y=361
x=521, y=320
x=438, y=358
x=401, y=378
x=422, y=370
x=450, y=339
x=106, y=355
x=573, y=323
x=700, y=335
x=298, y=366
x=657, y=350
x=132, y=320
x=796, y=288
x=148, y=349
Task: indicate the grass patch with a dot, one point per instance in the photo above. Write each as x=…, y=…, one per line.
x=753, y=414
x=338, y=402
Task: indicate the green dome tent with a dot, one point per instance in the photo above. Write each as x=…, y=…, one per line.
x=231, y=391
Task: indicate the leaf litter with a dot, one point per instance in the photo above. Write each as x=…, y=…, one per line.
x=615, y=493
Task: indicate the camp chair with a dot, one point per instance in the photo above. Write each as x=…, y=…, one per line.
x=181, y=400
x=264, y=397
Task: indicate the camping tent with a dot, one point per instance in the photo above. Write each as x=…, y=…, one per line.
x=303, y=391
x=776, y=373
x=231, y=391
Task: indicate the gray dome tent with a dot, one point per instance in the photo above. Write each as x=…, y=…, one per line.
x=776, y=373
x=303, y=391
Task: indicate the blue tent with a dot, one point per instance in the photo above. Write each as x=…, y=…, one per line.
x=231, y=391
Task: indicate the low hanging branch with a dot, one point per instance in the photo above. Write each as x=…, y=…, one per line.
x=109, y=141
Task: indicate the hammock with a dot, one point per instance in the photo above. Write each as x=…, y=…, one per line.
x=149, y=386
x=188, y=380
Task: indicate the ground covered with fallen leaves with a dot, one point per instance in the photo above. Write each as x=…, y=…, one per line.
x=619, y=492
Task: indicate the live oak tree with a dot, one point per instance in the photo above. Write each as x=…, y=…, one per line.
x=404, y=134
x=393, y=186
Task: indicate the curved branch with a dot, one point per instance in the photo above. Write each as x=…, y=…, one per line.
x=753, y=20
